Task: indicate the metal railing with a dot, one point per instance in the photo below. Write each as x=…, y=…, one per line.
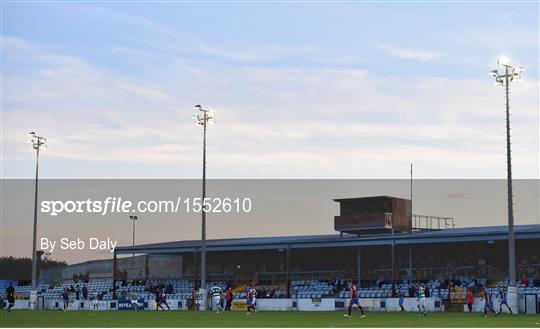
x=430, y=223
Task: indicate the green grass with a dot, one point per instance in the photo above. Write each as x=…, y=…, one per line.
x=19, y=318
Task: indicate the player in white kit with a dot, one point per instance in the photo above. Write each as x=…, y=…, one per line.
x=134, y=301
x=216, y=298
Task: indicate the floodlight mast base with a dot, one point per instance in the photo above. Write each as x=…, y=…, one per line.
x=204, y=299
x=33, y=300
x=512, y=298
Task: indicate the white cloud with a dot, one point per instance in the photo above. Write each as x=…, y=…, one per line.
x=342, y=60
x=412, y=54
x=246, y=54
x=272, y=122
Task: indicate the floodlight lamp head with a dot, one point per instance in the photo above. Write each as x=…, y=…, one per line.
x=198, y=107
x=494, y=73
x=504, y=61
x=210, y=117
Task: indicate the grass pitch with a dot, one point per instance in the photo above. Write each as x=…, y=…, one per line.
x=261, y=319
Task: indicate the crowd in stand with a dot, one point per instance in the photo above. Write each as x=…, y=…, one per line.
x=442, y=272
x=80, y=293
x=152, y=287
x=271, y=292
x=448, y=268
x=529, y=267
x=83, y=278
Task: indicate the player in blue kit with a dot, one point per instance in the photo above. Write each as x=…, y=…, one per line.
x=504, y=300
x=400, y=302
x=488, y=302
x=251, y=300
x=65, y=299
x=354, y=300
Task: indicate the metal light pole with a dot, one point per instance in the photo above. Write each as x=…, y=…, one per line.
x=133, y=219
x=411, y=190
x=509, y=74
x=204, y=118
x=38, y=143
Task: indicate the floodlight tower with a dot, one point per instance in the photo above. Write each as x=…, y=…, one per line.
x=204, y=118
x=38, y=143
x=133, y=219
x=509, y=74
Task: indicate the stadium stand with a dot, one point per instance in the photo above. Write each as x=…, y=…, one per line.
x=448, y=262
x=455, y=290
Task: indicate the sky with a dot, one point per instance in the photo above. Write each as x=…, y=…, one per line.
x=278, y=207
x=300, y=90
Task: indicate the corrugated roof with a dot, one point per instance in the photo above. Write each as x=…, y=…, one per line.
x=335, y=240
x=368, y=197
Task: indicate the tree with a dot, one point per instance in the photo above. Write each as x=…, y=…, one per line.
x=20, y=268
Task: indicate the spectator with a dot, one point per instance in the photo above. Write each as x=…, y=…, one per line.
x=169, y=289
x=85, y=292
x=228, y=299
x=470, y=299
x=412, y=290
x=10, y=294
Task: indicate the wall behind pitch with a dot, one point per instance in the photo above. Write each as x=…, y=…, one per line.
x=324, y=304
x=411, y=305
x=264, y=304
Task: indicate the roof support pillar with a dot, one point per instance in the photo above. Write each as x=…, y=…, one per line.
x=196, y=272
x=393, y=265
x=410, y=263
x=146, y=267
x=358, y=267
x=288, y=276
x=114, y=270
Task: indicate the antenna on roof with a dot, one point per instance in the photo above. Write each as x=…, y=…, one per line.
x=411, y=187
x=411, y=190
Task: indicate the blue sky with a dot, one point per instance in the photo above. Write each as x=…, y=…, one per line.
x=301, y=90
